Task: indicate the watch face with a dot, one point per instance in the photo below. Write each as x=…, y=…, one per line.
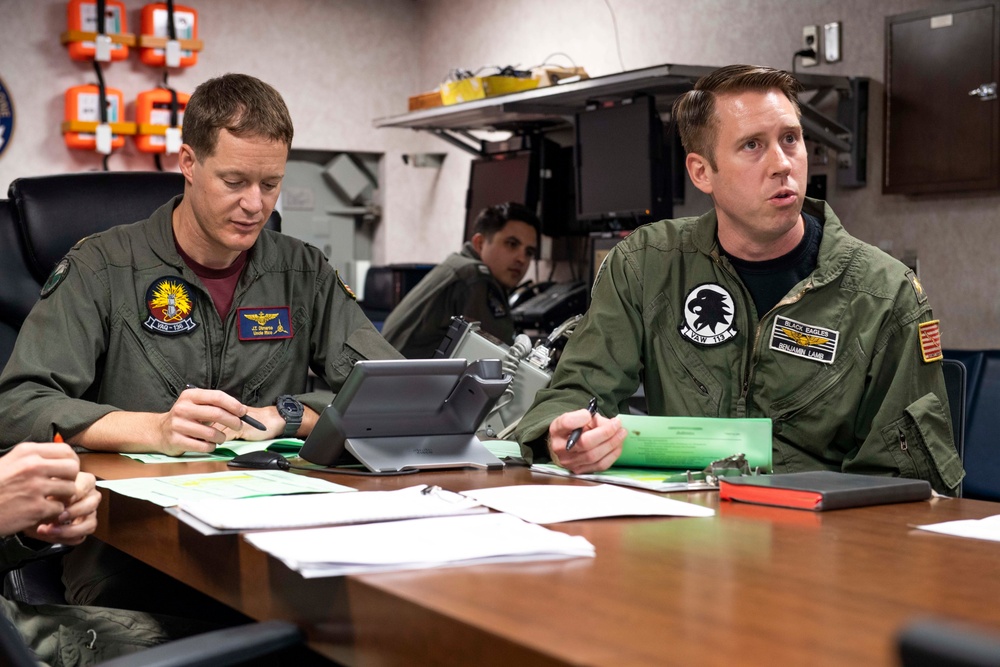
x=290, y=406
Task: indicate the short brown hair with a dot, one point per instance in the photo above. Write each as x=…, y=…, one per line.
x=694, y=111
x=242, y=104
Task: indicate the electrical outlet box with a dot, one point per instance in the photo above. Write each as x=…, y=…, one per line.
x=810, y=40
x=831, y=42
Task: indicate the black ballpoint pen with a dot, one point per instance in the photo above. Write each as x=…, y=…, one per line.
x=575, y=435
x=246, y=419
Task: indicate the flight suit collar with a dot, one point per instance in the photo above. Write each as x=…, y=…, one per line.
x=835, y=251
x=161, y=240
x=468, y=250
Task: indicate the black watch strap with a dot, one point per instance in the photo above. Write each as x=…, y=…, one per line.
x=291, y=411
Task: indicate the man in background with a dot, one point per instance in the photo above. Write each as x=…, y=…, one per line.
x=474, y=283
x=763, y=307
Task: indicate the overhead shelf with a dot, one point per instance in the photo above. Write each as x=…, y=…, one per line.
x=555, y=106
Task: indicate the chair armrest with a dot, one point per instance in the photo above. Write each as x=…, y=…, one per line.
x=219, y=648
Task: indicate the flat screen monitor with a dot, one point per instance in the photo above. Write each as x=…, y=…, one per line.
x=498, y=179
x=621, y=174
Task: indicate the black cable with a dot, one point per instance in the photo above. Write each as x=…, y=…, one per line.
x=171, y=28
x=102, y=101
x=618, y=41
x=157, y=162
x=803, y=53
x=104, y=161
x=101, y=11
x=283, y=464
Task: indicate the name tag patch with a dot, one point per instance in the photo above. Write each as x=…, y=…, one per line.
x=264, y=323
x=804, y=340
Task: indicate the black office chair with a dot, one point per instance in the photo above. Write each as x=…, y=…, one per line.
x=18, y=289
x=935, y=643
x=230, y=646
x=54, y=212
x=955, y=384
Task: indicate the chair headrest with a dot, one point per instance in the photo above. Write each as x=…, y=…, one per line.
x=54, y=212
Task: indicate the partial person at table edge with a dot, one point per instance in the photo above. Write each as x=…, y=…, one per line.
x=46, y=501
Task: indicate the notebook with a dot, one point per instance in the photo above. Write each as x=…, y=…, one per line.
x=822, y=490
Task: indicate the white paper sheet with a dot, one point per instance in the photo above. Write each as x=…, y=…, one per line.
x=417, y=544
x=980, y=529
x=330, y=508
x=554, y=503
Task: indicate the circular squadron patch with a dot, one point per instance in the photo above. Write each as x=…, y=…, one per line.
x=170, y=301
x=709, y=315
x=56, y=277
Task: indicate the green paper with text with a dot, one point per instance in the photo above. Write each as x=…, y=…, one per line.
x=691, y=443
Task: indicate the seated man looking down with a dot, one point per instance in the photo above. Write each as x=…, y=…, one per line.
x=46, y=500
x=161, y=335
x=199, y=295
x=763, y=307
x=474, y=283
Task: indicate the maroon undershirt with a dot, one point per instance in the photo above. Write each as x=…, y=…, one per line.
x=220, y=283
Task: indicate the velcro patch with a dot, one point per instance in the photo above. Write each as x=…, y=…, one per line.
x=264, y=323
x=804, y=340
x=918, y=289
x=347, y=290
x=930, y=341
x=56, y=277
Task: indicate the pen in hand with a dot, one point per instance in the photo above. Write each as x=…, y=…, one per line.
x=246, y=419
x=577, y=432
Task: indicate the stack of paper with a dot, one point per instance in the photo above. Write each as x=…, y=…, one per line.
x=327, y=509
x=417, y=544
x=554, y=503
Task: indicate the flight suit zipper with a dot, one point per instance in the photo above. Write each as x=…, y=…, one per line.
x=698, y=383
x=787, y=301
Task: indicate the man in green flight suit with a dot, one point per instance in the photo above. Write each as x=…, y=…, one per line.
x=474, y=283
x=763, y=307
x=161, y=335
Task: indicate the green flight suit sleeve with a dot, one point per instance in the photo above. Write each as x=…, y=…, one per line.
x=47, y=384
x=904, y=422
x=341, y=336
x=603, y=358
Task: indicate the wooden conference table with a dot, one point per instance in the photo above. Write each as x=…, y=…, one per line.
x=750, y=586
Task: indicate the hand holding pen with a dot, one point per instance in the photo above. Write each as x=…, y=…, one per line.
x=246, y=418
x=577, y=432
x=590, y=445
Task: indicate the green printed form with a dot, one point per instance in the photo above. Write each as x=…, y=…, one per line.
x=691, y=443
x=171, y=490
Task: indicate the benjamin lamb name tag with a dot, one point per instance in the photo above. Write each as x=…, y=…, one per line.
x=804, y=340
